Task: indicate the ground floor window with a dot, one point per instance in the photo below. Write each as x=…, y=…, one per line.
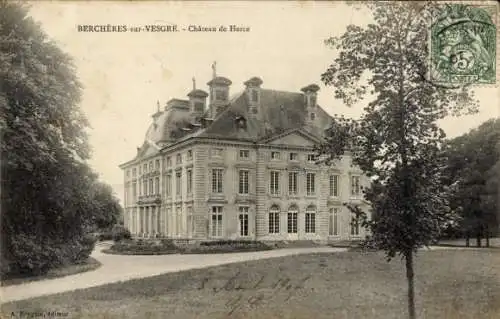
x=274, y=220
x=354, y=226
x=333, y=224
x=216, y=221
x=292, y=217
x=178, y=220
x=243, y=221
x=310, y=220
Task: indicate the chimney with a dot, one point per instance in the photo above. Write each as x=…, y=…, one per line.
x=310, y=96
x=252, y=91
x=197, y=102
x=219, y=92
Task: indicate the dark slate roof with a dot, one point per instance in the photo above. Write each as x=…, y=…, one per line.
x=280, y=111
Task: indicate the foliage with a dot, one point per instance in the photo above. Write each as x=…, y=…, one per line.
x=397, y=140
x=119, y=232
x=472, y=168
x=47, y=202
x=143, y=247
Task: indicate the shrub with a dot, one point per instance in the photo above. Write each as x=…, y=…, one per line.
x=119, y=232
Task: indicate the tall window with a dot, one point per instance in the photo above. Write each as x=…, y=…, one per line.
x=157, y=185
x=169, y=185
x=134, y=172
x=128, y=173
x=274, y=220
x=292, y=183
x=244, y=154
x=274, y=183
x=217, y=180
x=310, y=184
x=216, y=222
x=243, y=220
x=334, y=185
x=151, y=187
x=178, y=159
x=243, y=182
x=145, y=168
x=189, y=155
x=354, y=225
x=189, y=176
x=190, y=221
x=145, y=187
x=333, y=223
x=178, y=183
x=157, y=164
x=355, y=187
x=150, y=166
x=169, y=161
x=311, y=220
x=292, y=220
x=134, y=191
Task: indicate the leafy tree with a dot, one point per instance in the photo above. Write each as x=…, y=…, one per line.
x=47, y=204
x=397, y=141
x=107, y=211
x=472, y=167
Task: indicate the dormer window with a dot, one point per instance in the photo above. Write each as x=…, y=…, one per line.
x=312, y=101
x=220, y=95
x=255, y=96
x=199, y=107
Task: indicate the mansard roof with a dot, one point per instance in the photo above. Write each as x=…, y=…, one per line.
x=279, y=112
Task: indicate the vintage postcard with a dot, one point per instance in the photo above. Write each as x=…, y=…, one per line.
x=237, y=159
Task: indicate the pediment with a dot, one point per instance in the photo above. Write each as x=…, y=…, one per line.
x=294, y=138
x=148, y=149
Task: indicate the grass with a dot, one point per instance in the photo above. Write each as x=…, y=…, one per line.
x=88, y=265
x=449, y=284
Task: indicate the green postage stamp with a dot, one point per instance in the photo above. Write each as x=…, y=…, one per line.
x=463, y=45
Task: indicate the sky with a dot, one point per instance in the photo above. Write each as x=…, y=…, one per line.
x=124, y=74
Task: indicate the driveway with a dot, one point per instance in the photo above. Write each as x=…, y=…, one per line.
x=117, y=268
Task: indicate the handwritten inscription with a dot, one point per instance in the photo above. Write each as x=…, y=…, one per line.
x=261, y=289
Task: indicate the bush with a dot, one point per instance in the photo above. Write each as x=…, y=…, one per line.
x=33, y=256
x=119, y=233
x=143, y=247
x=227, y=246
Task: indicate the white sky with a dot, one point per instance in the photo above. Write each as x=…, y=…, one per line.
x=124, y=74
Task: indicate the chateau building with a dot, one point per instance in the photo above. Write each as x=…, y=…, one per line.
x=242, y=167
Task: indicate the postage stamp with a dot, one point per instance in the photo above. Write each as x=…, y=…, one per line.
x=463, y=45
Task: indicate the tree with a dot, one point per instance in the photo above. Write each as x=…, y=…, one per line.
x=472, y=160
x=397, y=141
x=107, y=211
x=46, y=200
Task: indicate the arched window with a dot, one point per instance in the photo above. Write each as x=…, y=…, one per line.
x=274, y=219
x=311, y=219
x=292, y=217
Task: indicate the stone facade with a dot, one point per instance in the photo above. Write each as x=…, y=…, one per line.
x=244, y=169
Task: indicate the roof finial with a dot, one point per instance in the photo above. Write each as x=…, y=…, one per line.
x=194, y=83
x=214, y=69
x=157, y=106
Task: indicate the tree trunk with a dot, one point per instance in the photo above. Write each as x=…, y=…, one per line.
x=411, y=288
x=467, y=240
x=478, y=240
x=487, y=237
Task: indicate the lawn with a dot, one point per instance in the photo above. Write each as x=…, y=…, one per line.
x=449, y=284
